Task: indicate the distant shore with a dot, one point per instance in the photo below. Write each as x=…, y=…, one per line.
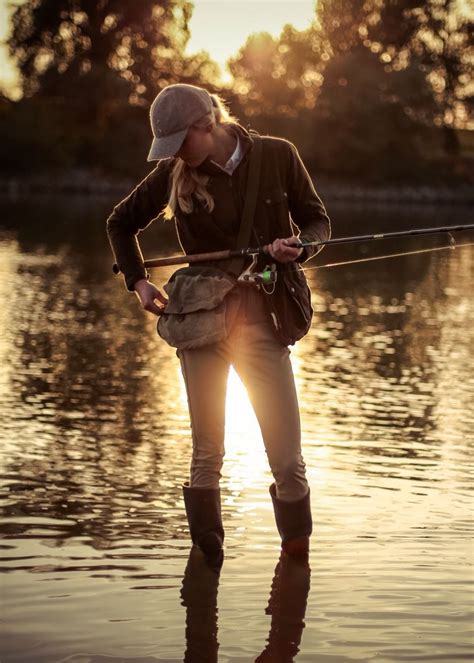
x=86, y=183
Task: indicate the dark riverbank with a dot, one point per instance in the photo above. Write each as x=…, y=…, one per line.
x=89, y=183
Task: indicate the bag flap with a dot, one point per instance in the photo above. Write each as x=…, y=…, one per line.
x=192, y=289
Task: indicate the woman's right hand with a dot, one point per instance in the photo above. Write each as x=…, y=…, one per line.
x=148, y=293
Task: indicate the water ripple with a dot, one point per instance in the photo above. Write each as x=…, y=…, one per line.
x=96, y=444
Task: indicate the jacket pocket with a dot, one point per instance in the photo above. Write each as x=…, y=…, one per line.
x=276, y=214
x=275, y=197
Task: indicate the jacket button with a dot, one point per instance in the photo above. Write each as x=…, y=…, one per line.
x=292, y=289
x=268, y=201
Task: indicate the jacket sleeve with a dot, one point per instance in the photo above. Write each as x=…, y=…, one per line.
x=306, y=208
x=132, y=215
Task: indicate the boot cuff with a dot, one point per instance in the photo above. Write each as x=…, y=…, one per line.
x=293, y=519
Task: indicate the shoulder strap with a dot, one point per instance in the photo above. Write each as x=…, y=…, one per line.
x=253, y=183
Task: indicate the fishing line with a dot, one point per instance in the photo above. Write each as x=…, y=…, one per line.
x=451, y=247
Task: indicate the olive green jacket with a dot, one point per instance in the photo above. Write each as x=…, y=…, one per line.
x=287, y=204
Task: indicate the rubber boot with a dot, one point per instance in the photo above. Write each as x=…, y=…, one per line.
x=294, y=523
x=203, y=509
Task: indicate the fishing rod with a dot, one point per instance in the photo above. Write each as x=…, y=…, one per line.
x=450, y=247
x=263, y=250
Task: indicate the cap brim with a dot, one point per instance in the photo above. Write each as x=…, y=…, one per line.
x=166, y=146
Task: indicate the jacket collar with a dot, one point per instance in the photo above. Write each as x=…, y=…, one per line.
x=210, y=168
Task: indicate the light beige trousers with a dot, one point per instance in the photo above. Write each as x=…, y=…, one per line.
x=263, y=364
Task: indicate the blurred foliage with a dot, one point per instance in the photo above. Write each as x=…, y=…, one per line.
x=371, y=90
x=131, y=47
x=432, y=37
x=279, y=77
x=89, y=71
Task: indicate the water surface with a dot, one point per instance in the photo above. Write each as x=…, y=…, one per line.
x=96, y=444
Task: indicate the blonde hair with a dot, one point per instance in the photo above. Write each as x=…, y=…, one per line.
x=186, y=181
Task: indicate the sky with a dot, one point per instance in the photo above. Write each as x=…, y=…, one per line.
x=7, y=70
x=220, y=27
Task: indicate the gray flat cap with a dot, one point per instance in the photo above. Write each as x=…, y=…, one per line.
x=172, y=112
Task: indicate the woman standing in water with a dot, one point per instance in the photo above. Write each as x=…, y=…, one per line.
x=200, y=181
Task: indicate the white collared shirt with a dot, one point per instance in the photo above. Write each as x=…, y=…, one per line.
x=234, y=159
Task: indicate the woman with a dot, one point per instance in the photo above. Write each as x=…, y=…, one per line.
x=203, y=159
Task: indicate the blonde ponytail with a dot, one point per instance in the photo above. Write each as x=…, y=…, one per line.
x=187, y=181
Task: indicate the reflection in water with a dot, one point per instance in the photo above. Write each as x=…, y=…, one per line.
x=199, y=594
x=286, y=605
x=96, y=445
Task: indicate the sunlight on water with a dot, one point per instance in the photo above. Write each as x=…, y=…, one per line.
x=96, y=444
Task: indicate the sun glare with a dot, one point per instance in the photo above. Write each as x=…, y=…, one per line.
x=246, y=460
x=245, y=457
x=221, y=27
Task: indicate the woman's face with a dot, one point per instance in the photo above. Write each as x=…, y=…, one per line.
x=196, y=147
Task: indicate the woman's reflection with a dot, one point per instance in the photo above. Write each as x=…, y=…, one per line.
x=199, y=596
x=286, y=605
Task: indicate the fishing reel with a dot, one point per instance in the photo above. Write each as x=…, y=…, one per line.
x=265, y=279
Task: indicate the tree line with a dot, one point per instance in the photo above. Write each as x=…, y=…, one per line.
x=372, y=90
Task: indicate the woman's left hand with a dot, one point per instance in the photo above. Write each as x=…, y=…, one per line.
x=282, y=251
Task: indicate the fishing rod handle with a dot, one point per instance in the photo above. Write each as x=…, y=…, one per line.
x=205, y=257
x=190, y=259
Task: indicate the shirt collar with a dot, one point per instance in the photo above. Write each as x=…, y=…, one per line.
x=244, y=145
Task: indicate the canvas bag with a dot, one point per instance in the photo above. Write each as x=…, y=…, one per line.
x=202, y=300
